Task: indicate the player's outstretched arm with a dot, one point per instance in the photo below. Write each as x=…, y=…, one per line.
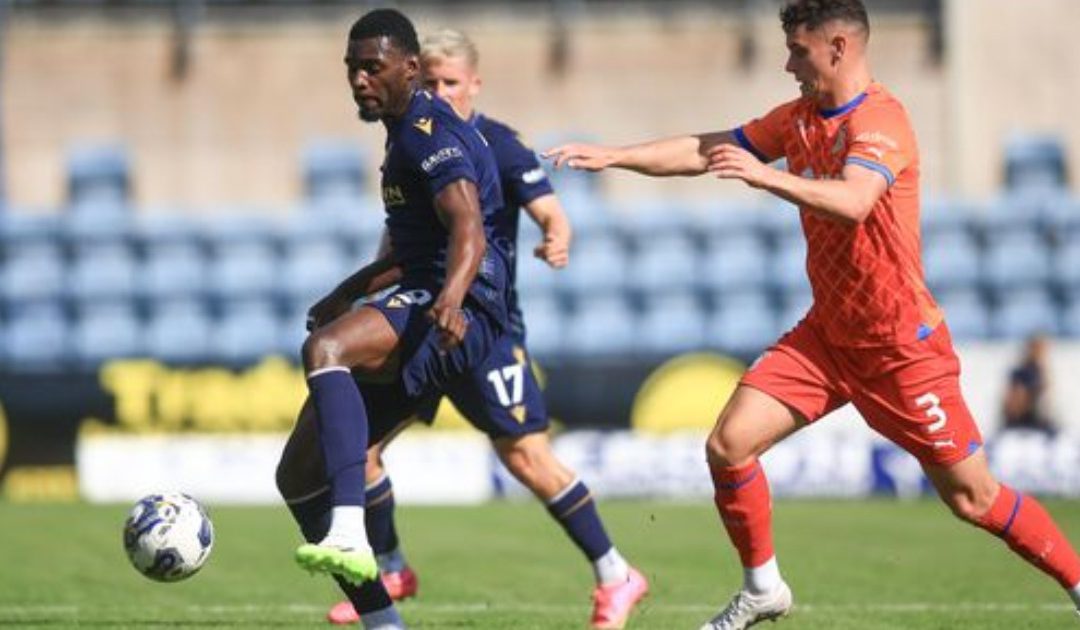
x=458, y=207
x=682, y=155
x=547, y=212
x=848, y=199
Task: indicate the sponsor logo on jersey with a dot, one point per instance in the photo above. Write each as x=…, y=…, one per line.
x=442, y=155
x=423, y=124
x=533, y=176
x=392, y=196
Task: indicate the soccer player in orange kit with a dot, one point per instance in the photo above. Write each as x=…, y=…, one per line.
x=874, y=335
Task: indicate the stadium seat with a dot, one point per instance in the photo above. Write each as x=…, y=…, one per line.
x=735, y=262
x=744, y=323
x=173, y=269
x=247, y=331
x=157, y=227
x=533, y=274
x=34, y=270
x=672, y=322
x=97, y=222
x=1020, y=258
x=1035, y=162
x=18, y=227
x=1062, y=219
x=103, y=271
x=1067, y=265
x=333, y=168
x=794, y=305
x=98, y=172
x=600, y=263
x=179, y=331
x=601, y=324
x=311, y=267
x=544, y=324
x=106, y=330
x=667, y=261
x=945, y=217
x=966, y=313
x=1070, y=319
x=244, y=268
x=36, y=337
x=951, y=259
x=787, y=263
x=1024, y=312
x=1016, y=210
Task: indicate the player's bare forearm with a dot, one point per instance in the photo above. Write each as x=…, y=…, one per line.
x=547, y=212
x=458, y=207
x=848, y=199
x=681, y=155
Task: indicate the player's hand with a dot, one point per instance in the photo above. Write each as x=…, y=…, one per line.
x=584, y=157
x=450, y=320
x=327, y=310
x=555, y=248
x=728, y=161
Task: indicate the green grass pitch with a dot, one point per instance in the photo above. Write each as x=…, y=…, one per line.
x=857, y=564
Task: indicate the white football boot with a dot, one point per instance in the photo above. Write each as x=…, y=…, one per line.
x=747, y=609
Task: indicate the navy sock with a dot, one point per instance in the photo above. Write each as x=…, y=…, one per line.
x=313, y=516
x=379, y=516
x=343, y=433
x=576, y=512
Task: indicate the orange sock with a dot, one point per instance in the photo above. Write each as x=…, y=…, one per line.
x=742, y=498
x=1028, y=530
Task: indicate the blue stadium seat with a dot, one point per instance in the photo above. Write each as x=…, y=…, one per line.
x=98, y=172
x=601, y=324
x=1062, y=219
x=103, y=271
x=1035, y=162
x=333, y=168
x=1016, y=210
x=728, y=220
x=779, y=220
x=744, y=323
x=1024, y=312
x=533, y=274
x=1016, y=259
x=34, y=270
x=1067, y=265
x=945, y=217
x=667, y=261
x=98, y=222
x=247, y=331
x=966, y=313
x=544, y=324
x=585, y=208
x=107, y=330
x=794, y=305
x=179, y=331
x=174, y=269
x=600, y=262
x=951, y=260
x=311, y=267
x=19, y=227
x=243, y=269
x=672, y=322
x=735, y=262
x=787, y=263
x=1070, y=319
x=37, y=337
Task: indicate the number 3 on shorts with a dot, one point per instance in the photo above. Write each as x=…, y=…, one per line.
x=512, y=375
x=932, y=404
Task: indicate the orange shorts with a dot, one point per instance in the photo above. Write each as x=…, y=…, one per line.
x=910, y=394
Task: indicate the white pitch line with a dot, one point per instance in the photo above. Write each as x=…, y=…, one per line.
x=524, y=607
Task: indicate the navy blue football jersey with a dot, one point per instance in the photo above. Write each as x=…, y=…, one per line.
x=522, y=179
x=426, y=149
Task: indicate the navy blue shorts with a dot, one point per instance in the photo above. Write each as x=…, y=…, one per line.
x=425, y=369
x=500, y=397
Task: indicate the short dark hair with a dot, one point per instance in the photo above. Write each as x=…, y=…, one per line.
x=814, y=13
x=387, y=23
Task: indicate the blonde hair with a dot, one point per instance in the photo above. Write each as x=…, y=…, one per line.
x=446, y=43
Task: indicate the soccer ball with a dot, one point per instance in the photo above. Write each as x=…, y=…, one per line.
x=168, y=536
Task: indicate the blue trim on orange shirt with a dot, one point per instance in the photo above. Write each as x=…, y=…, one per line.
x=845, y=108
x=924, y=332
x=880, y=169
x=744, y=142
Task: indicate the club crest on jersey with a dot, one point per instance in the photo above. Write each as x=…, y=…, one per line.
x=423, y=124
x=412, y=297
x=392, y=196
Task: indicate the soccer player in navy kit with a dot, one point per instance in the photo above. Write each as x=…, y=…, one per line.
x=441, y=192
x=502, y=397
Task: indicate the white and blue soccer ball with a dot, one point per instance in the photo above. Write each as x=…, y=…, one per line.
x=168, y=537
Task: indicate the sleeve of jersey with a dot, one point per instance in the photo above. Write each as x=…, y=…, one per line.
x=443, y=159
x=881, y=141
x=764, y=137
x=522, y=176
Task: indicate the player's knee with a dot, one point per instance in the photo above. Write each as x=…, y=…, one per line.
x=321, y=349
x=970, y=504
x=724, y=449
